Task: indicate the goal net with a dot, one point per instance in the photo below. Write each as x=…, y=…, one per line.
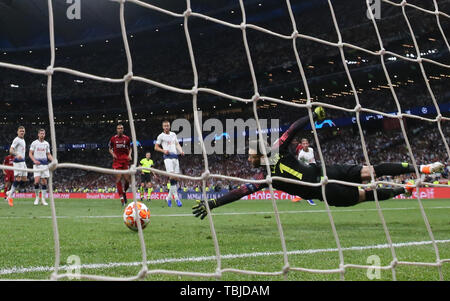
x=295, y=36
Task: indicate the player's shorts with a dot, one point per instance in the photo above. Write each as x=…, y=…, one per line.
x=9, y=176
x=41, y=171
x=121, y=164
x=146, y=177
x=340, y=195
x=172, y=165
x=19, y=173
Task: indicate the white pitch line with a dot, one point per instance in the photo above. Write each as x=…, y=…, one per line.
x=226, y=213
x=22, y=270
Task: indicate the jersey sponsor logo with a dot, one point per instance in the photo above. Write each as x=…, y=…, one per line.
x=121, y=145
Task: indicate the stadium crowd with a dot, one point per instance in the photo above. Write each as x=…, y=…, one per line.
x=338, y=146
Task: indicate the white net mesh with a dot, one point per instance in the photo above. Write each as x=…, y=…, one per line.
x=295, y=35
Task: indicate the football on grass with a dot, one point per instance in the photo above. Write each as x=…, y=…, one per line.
x=131, y=213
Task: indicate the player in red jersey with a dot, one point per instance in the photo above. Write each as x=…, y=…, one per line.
x=9, y=174
x=120, y=149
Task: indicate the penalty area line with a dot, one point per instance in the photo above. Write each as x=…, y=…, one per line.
x=24, y=270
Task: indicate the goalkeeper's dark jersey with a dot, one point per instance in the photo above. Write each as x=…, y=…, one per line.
x=285, y=165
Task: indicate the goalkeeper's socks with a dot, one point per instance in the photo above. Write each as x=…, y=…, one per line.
x=393, y=169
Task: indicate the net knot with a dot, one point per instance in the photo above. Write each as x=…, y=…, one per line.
x=294, y=35
x=382, y=51
x=256, y=97
x=394, y=263
x=133, y=169
x=53, y=165
x=50, y=70
x=243, y=26
x=358, y=108
x=286, y=269
x=205, y=174
x=128, y=77
x=439, y=118
x=142, y=272
x=324, y=181
x=187, y=12
x=403, y=3
x=418, y=183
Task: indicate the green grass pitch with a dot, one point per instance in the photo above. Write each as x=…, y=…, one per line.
x=247, y=233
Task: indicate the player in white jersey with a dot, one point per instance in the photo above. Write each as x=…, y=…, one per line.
x=17, y=149
x=306, y=156
x=40, y=155
x=167, y=143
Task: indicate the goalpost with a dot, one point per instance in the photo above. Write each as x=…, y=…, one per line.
x=254, y=100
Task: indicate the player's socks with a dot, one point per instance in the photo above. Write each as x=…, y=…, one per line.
x=13, y=188
x=119, y=188
x=141, y=192
x=120, y=192
x=149, y=194
x=392, y=169
x=126, y=186
x=36, y=191
x=44, y=192
x=384, y=193
x=432, y=168
x=409, y=188
x=11, y=192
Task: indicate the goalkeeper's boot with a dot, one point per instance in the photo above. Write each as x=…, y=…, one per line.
x=169, y=202
x=436, y=167
x=320, y=113
x=409, y=188
x=36, y=202
x=179, y=204
x=44, y=202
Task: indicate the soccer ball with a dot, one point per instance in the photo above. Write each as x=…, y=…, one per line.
x=130, y=219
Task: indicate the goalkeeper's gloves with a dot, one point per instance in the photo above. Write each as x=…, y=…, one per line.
x=320, y=113
x=199, y=210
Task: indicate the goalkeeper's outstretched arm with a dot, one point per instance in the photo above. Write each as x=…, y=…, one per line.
x=291, y=132
x=200, y=210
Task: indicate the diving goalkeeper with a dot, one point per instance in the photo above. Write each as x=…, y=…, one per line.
x=285, y=165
